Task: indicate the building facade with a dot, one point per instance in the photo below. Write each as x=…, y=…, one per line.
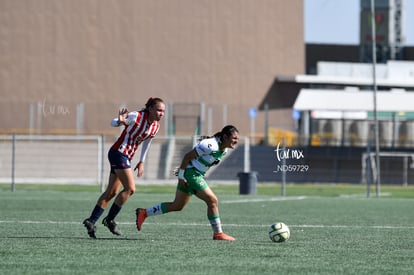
x=68, y=65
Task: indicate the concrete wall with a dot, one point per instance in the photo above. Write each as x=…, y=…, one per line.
x=57, y=54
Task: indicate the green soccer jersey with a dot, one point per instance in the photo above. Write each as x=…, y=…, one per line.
x=209, y=154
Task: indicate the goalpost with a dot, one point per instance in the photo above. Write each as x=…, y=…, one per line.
x=370, y=171
x=60, y=159
x=81, y=159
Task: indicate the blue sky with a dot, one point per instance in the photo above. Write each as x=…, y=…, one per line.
x=337, y=21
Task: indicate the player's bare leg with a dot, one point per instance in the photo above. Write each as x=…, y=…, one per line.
x=114, y=184
x=126, y=177
x=208, y=196
x=112, y=189
x=180, y=201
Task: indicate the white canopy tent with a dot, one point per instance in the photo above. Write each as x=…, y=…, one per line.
x=353, y=103
x=353, y=100
x=394, y=73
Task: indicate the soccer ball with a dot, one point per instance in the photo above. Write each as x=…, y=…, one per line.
x=279, y=232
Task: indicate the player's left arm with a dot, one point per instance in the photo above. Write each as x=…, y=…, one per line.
x=144, y=151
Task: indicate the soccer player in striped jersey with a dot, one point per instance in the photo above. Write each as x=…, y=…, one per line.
x=206, y=153
x=139, y=129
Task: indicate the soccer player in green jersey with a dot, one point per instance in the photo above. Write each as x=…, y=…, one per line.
x=206, y=153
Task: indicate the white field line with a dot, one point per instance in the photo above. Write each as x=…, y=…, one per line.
x=227, y=225
x=383, y=194
x=264, y=200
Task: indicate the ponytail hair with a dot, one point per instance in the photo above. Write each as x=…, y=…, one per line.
x=151, y=102
x=228, y=130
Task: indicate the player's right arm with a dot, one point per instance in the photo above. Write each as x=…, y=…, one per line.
x=124, y=118
x=186, y=160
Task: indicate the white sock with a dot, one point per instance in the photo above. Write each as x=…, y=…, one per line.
x=216, y=225
x=155, y=210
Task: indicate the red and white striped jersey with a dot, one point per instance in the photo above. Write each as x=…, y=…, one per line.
x=137, y=129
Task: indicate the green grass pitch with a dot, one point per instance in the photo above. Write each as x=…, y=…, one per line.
x=334, y=230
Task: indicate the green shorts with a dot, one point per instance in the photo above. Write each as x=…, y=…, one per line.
x=195, y=182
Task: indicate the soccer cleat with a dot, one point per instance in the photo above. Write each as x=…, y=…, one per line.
x=141, y=215
x=90, y=226
x=222, y=237
x=112, y=226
